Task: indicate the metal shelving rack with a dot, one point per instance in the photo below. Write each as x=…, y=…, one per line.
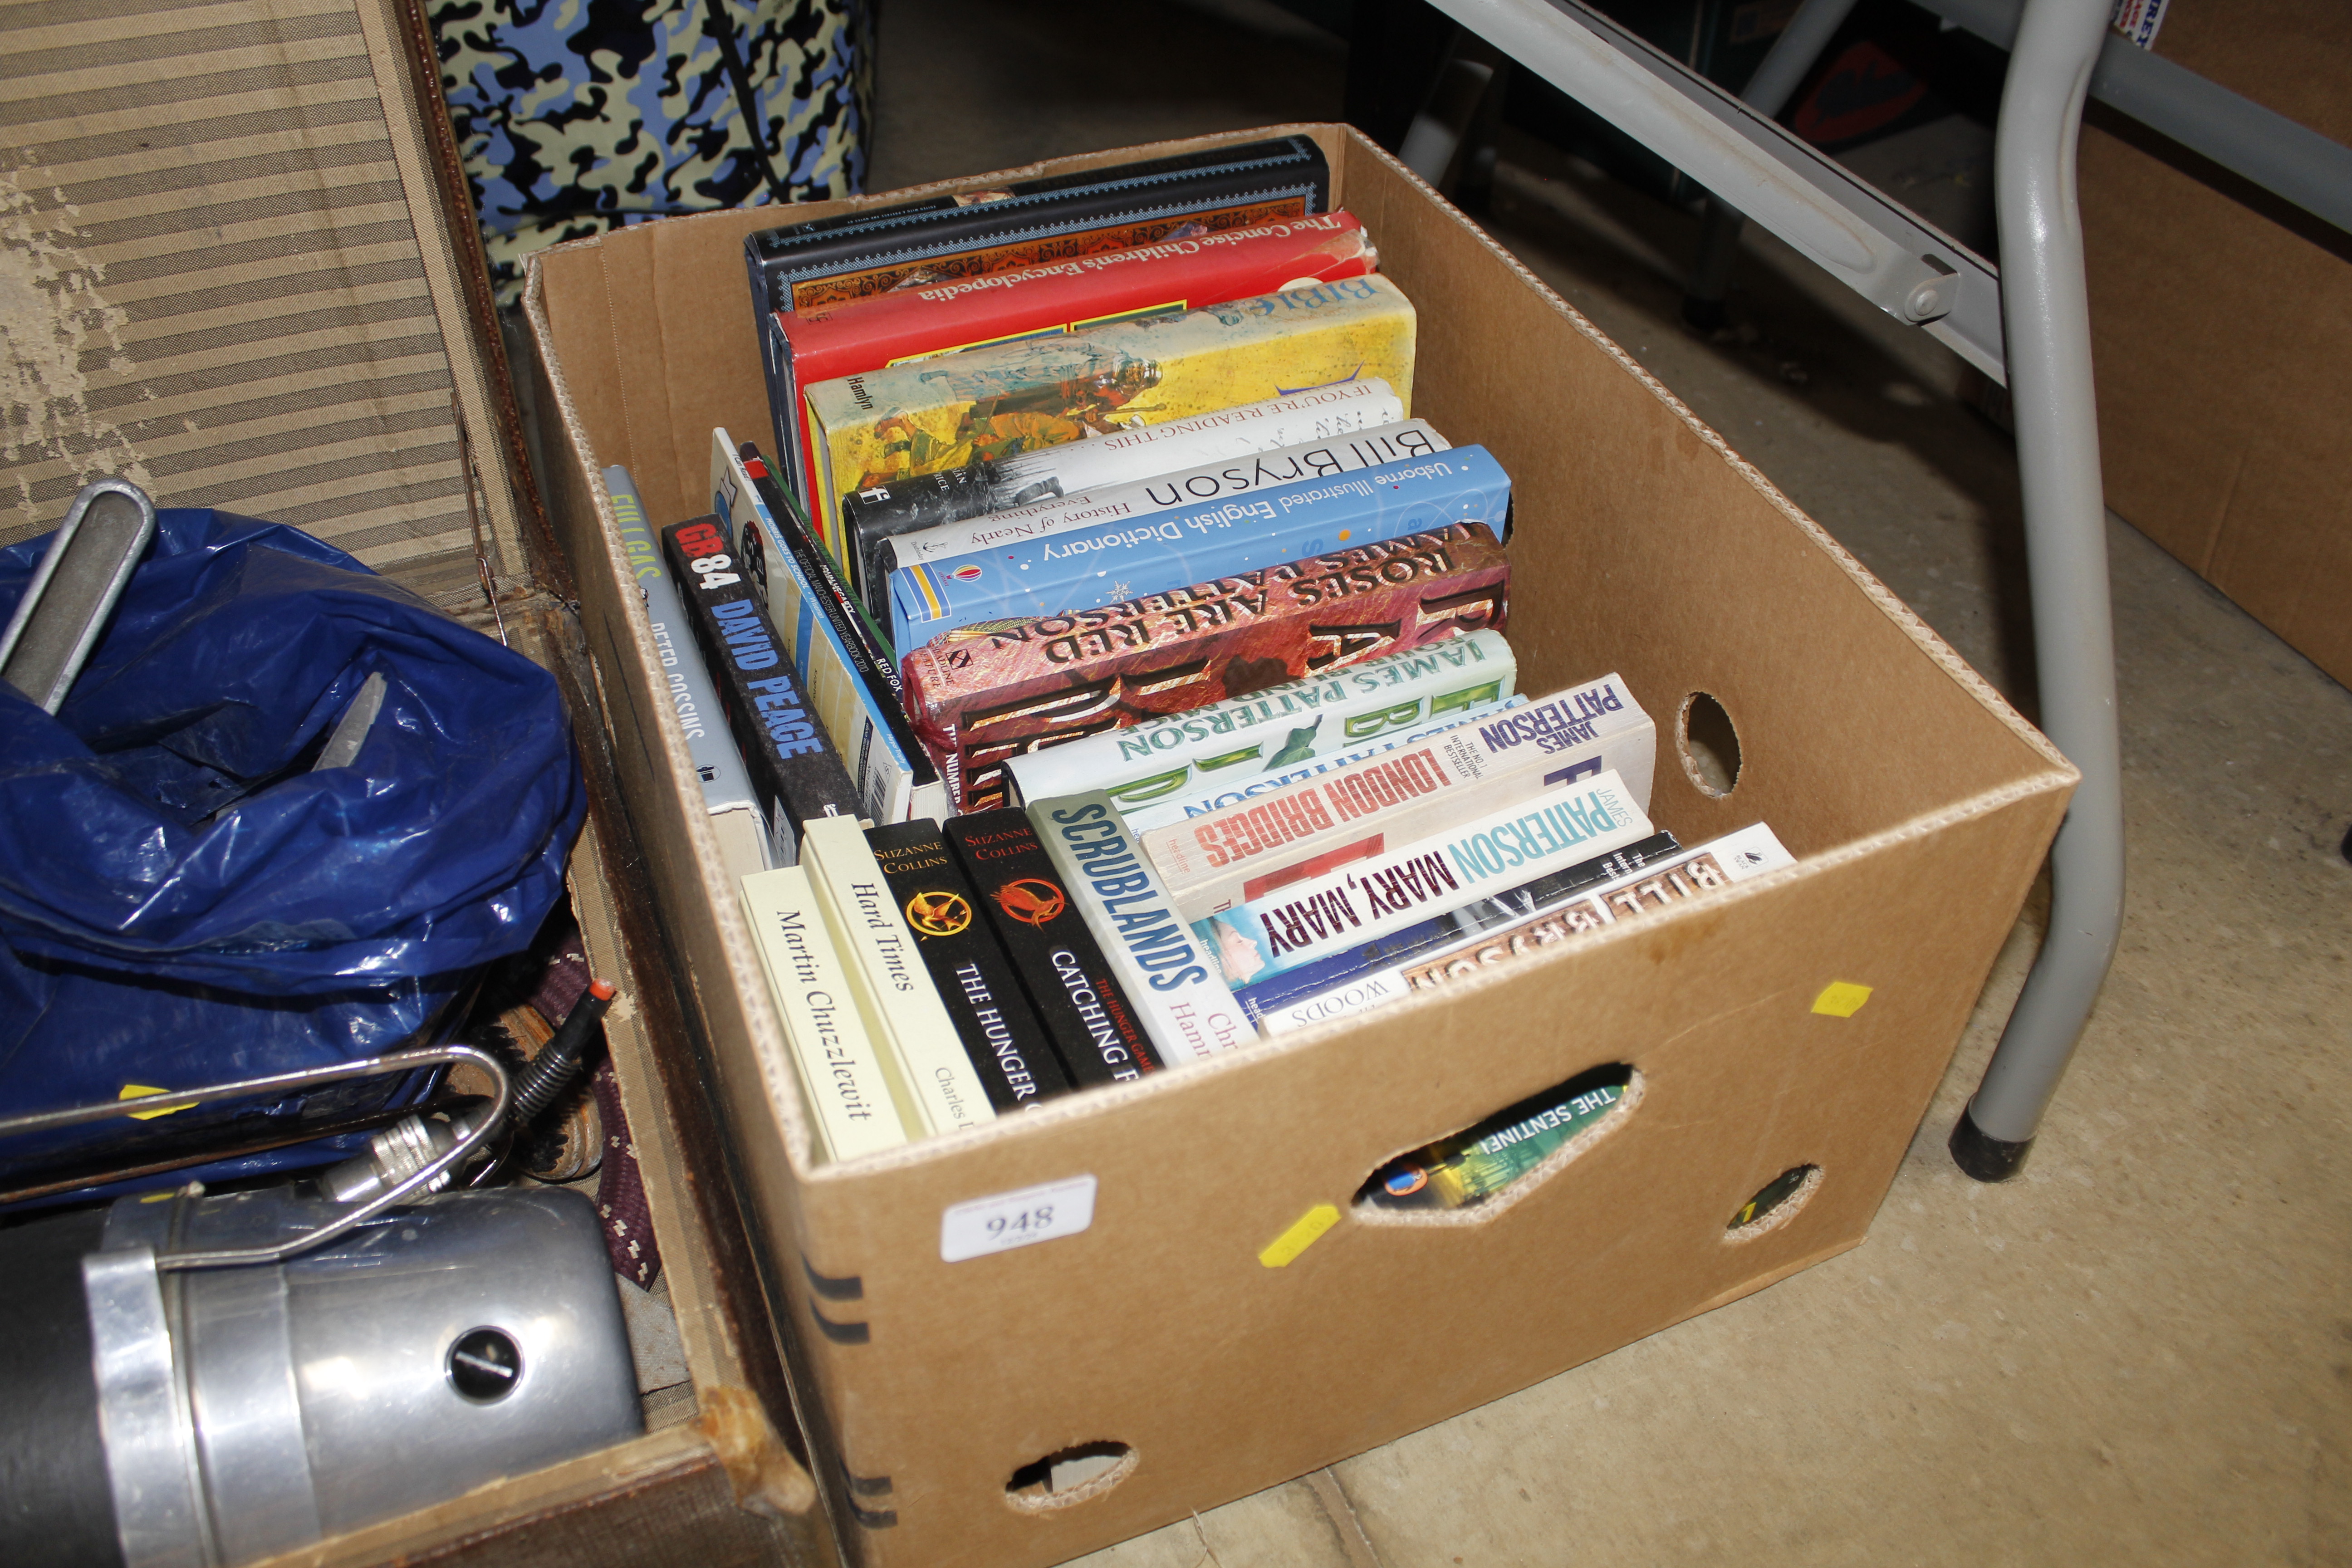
x=2026, y=324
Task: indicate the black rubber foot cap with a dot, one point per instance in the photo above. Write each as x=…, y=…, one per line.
x=1705, y=315
x=1983, y=1155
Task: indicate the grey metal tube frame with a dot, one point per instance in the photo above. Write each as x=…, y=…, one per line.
x=2040, y=345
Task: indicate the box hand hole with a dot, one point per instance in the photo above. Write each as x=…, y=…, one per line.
x=1473, y=1174
x=1776, y=1202
x=1708, y=745
x=1068, y=1477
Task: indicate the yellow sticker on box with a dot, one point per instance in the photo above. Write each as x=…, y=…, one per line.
x=1841, y=999
x=1301, y=1236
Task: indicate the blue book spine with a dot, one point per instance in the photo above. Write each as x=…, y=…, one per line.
x=1086, y=568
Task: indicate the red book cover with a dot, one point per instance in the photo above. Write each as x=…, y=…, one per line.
x=986, y=692
x=1173, y=276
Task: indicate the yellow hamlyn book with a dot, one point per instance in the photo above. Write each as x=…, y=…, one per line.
x=889, y=425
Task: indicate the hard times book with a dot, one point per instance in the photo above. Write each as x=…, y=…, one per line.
x=835, y=1065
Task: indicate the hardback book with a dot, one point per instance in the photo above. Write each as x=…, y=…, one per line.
x=1359, y=978
x=1168, y=972
x=984, y=693
x=891, y=983
x=794, y=768
x=1000, y=1033
x=985, y=504
x=726, y=793
x=1365, y=492
x=1079, y=998
x=833, y=1065
x=1432, y=875
x=946, y=317
x=1179, y=808
x=1336, y=710
x=910, y=419
x=855, y=689
x=1225, y=857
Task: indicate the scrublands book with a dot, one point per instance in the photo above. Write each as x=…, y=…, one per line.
x=1168, y=972
x=1078, y=998
x=734, y=806
x=1312, y=919
x=1181, y=754
x=954, y=314
x=986, y=693
x=853, y=1109
x=943, y=1092
x=1222, y=859
x=985, y=503
x=854, y=689
x=1001, y=1034
x=922, y=418
x=1363, y=492
x=794, y=767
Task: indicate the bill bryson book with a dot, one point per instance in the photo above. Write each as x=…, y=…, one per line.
x=1312, y=919
x=985, y=693
x=734, y=806
x=1168, y=972
x=1225, y=858
x=855, y=688
x=1181, y=273
x=1265, y=731
x=1000, y=1031
x=985, y=504
x=852, y=1106
x=1358, y=490
x=793, y=765
x=934, y=415
x=1078, y=998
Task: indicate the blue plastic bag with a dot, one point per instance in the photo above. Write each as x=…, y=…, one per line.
x=184, y=900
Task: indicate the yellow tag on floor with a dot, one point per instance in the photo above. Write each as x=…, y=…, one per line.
x=1841, y=999
x=1300, y=1236
x=140, y=1091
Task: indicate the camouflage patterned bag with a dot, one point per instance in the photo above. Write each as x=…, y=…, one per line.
x=577, y=116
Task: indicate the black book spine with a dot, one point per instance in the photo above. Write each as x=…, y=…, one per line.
x=793, y=764
x=1078, y=997
x=1000, y=1032
x=871, y=518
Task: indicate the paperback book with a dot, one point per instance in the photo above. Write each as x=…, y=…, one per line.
x=794, y=770
x=1366, y=495
x=1307, y=921
x=1167, y=970
x=853, y=1109
x=1078, y=998
x=1265, y=731
x=895, y=424
x=1474, y=1165
x=1229, y=857
x=1001, y=1034
x=985, y=693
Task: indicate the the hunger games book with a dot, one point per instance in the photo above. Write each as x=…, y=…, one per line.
x=992, y=1013
x=1079, y=999
x=987, y=692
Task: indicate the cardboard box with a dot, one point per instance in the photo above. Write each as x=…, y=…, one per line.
x=2221, y=327
x=249, y=280
x=1920, y=803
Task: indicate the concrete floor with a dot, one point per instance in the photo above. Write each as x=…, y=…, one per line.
x=2140, y=1351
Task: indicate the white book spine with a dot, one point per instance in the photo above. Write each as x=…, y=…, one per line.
x=892, y=986
x=1169, y=976
x=1228, y=856
x=1750, y=852
x=1181, y=754
x=853, y=1109
x=1354, y=904
x=1147, y=488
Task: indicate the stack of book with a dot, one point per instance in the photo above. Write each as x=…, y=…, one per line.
x=1116, y=672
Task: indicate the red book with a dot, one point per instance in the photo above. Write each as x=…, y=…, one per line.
x=986, y=692
x=1175, y=275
